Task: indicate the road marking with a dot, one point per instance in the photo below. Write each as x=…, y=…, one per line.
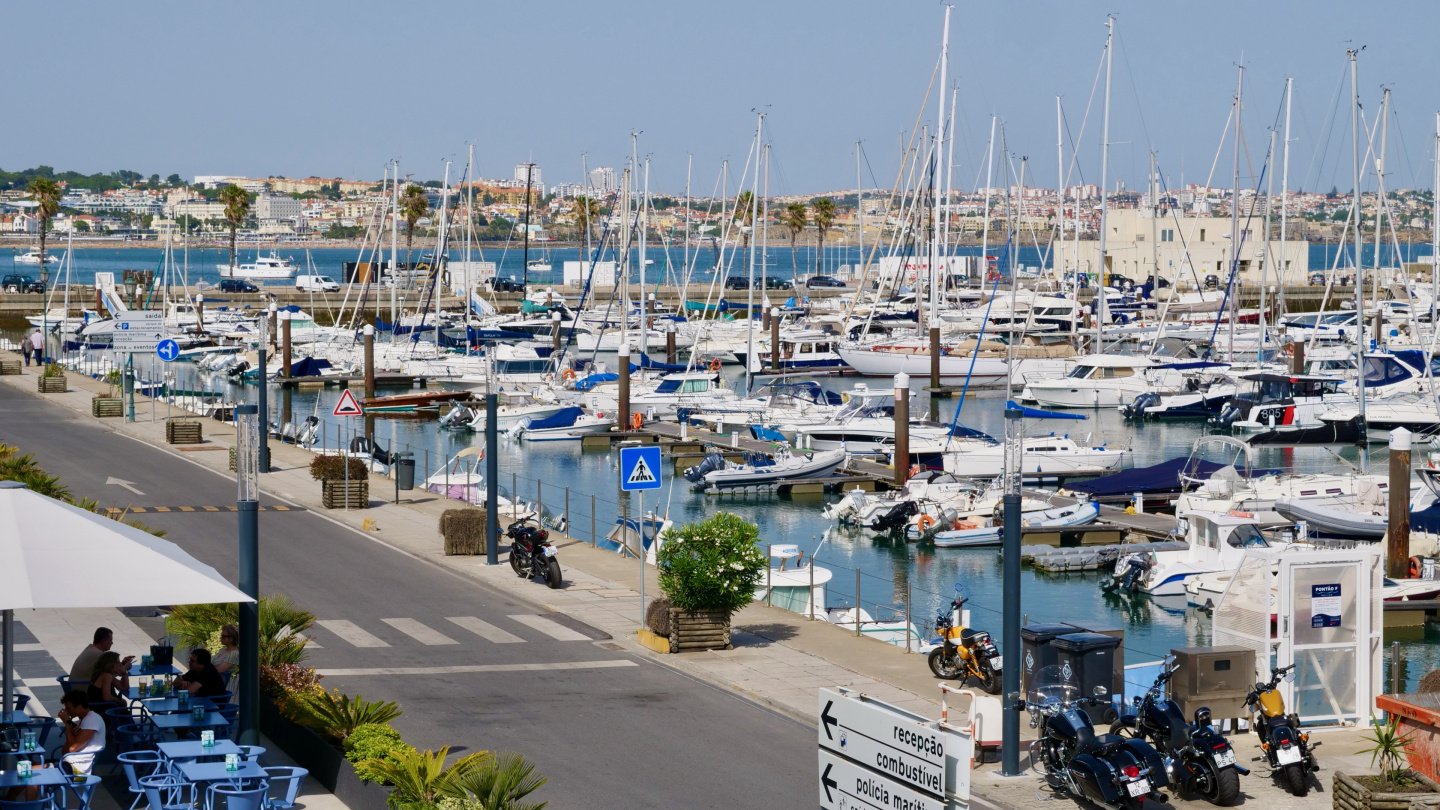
x=351, y=632
x=420, y=632
x=120, y=482
x=309, y=642
x=563, y=665
x=140, y=510
x=485, y=630
x=554, y=630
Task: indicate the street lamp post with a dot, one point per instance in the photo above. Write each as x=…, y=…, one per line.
x=45, y=312
x=1010, y=624
x=266, y=331
x=247, y=476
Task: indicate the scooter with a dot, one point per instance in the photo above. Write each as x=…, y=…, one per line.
x=976, y=656
x=1112, y=771
x=1199, y=757
x=1285, y=746
x=532, y=554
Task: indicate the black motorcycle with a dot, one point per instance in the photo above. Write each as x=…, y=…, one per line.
x=975, y=656
x=1110, y=770
x=1199, y=757
x=532, y=554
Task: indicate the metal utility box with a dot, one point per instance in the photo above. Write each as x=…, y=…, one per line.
x=1091, y=657
x=1218, y=678
x=1036, y=651
x=1118, y=687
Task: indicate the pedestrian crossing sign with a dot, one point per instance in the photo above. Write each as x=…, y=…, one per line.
x=639, y=468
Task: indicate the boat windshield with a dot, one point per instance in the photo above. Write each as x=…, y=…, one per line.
x=1274, y=390
x=1053, y=684
x=1080, y=372
x=1247, y=535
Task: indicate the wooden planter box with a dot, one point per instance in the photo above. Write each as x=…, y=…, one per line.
x=324, y=761
x=183, y=431
x=9, y=367
x=51, y=385
x=692, y=630
x=102, y=407
x=338, y=495
x=1351, y=795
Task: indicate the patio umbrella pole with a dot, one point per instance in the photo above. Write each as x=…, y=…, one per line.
x=8, y=623
x=247, y=457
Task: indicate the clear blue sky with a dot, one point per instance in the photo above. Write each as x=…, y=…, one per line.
x=332, y=88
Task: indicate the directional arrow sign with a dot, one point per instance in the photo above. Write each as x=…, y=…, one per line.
x=847, y=786
x=130, y=485
x=168, y=350
x=896, y=743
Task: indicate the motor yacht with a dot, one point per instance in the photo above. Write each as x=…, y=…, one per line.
x=1096, y=381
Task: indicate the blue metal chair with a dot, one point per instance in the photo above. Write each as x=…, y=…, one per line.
x=241, y=798
x=251, y=753
x=38, y=804
x=66, y=684
x=163, y=792
x=83, y=792
x=20, y=702
x=137, y=737
x=138, y=765
x=42, y=726
x=222, y=698
x=288, y=778
x=228, y=710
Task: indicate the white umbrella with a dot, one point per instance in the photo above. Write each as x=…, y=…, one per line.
x=54, y=555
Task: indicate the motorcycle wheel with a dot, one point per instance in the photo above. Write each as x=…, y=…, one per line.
x=1297, y=779
x=515, y=563
x=990, y=681
x=552, y=574
x=942, y=668
x=1219, y=788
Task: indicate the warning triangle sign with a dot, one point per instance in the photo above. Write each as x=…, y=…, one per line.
x=641, y=474
x=347, y=406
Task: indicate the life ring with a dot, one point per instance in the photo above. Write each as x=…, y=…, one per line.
x=1415, y=568
x=1289, y=350
x=637, y=420
x=925, y=522
x=715, y=364
x=568, y=375
x=914, y=470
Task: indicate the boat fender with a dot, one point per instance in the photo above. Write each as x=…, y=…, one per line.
x=1415, y=567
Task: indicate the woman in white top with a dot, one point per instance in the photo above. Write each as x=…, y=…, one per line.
x=227, y=661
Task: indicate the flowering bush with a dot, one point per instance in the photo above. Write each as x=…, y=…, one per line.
x=713, y=564
x=286, y=684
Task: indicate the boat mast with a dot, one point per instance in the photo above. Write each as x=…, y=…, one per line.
x=1379, y=205
x=625, y=266
x=1265, y=268
x=1235, y=240
x=1058, y=264
x=689, y=164
x=394, y=241
x=525, y=260
x=1104, y=194
x=938, y=231
x=1355, y=222
x=1284, y=202
x=860, y=198
x=985, y=223
x=1434, y=229
x=750, y=297
x=469, y=218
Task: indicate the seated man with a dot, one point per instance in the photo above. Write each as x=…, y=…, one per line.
x=84, y=732
x=201, y=680
x=88, y=657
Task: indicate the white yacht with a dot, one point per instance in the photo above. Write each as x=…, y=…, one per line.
x=264, y=268
x=1096, y=381
x=1216, y=541
x=33, y=257
x=1042, y=456
x=865, y=425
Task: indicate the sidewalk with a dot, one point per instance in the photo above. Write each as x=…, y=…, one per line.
x=780, y=658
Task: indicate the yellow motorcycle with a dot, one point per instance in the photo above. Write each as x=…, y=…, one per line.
x=964, y=653
x=1287, y=748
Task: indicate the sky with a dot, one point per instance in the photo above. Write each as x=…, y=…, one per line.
x=340, y=88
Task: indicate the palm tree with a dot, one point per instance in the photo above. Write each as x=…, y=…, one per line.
x=585, y=210
x=46, y=194
x=824, y=217
x=500, y=783
x=744, y=214
x=413, y=205
x=796, y=218
x=237, y=207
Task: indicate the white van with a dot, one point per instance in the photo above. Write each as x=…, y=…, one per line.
x=316, y=284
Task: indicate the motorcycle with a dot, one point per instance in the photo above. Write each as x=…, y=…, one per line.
x=1285, y=746
x=1199, y=757
x=532, y=554
x=1107, y=769
x=976, y=656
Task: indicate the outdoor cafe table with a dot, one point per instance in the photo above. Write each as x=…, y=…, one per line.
x=17, y=717
x=192, y=749
x=215, y=771
x=183, y=720
x=171, y=705
x=165, y=669
x=40, y=777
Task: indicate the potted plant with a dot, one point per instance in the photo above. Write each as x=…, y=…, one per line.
x=1397, y=786
x=708, y=570
x=108, y=404
x=52, y=379
x=344, y=481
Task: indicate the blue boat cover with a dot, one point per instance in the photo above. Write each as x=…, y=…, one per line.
x=765, y=434
x=647, y=362
x=588, y=382
x=1159, y=478
x=1036, y=413
x=1426, y=520
x=308, y=367
x=565, y=417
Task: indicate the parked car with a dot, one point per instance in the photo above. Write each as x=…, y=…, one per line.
x=1317, y=279
x=237, y=285
x=21, y=284
x=773, y=283
x=737, y=283
x=309, y=283
x=507, y=285
x=823, y=281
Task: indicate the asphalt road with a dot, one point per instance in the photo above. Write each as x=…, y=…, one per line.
x=608, y=728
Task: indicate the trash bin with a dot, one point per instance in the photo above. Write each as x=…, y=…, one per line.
x=1036, y=651
x=1113, y=631
x=404, y=471
x=1091, y=657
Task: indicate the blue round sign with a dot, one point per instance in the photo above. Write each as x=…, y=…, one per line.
x=167, y=349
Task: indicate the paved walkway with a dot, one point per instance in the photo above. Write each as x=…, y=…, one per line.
x=780, y=658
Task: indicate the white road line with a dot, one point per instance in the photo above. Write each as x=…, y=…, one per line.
x=485, y=630
x=351, y=632
x=30, y=647
x=420, y=632
x=309, y=642
x=552, y=629
x=478, y=668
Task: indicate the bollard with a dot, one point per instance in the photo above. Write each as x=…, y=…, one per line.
x=623, y=372
x=902, y=428
x=935, y=372
x=1139, y=503
x=775, y=339
x=811, y=599
x=369, y=361
x=285, y=344
x=555, y=333
x=1397, y=535
x=567, y=510
x=274, y=329
x=199, y=311
x=1297, y=360
x=592, y=521
x=670, y=354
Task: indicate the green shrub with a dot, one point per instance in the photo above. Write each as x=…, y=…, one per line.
x=280, y=622
x=421, y=777
x=712, y=564
x=500, y=783
x=332, y=468
x=337, y=715
x=373, y=741
x=53, y=370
